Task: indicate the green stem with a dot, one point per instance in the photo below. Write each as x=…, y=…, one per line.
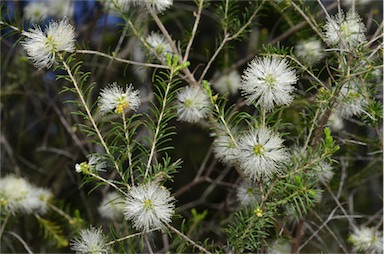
x=129, y=154
x=159, y=123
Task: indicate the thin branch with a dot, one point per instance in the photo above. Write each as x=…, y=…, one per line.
x=147, y=243
x=107, y=182
x=225, y=40
x=159, y=123
x=22, y=241
x=194, y=244
x=194, y=29
x=92, y=52
x=314, y=28
x=128, y=237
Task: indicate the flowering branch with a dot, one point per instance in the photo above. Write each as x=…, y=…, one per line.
x=87, y=110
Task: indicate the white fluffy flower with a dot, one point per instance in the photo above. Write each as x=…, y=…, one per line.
x=90, y=241
x=261, y=153
x=114, y=98
x=95, y=163
x=119, y=5
x=225, y=148
x=246, y=193
x=149, y=206
x=39, y=199
x=112, y=206
x=193, y=104
x=351, y=101
x=156, y=5
x=323, y=171
x=36, y=11
x=228, y=84
x=335, y=122
x=366, y=239
x=268, y=82
x=347, y=32
x=280, y=246
x=159, y=45
x=310, y=52
x=60, y=9
x=18, y=195
x=42, y=47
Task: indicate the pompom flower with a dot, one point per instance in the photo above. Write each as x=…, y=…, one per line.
x=225, y=148
x=18, y=195
x=268, y=83
x=246, y=193
x=346, y=32
x=158, y=6
x=114, y=98
x=351, y=101
x=193, y=104
x=310, y=52
x=149, y=206
x=159, y=45
x=323, y=172
x=36, y=11
x=261, y=153
x=42, y=47
x=90, y=241
x=94, y=164
x=279, y=246
x=60, y=9
x=335, y=121
x=112, y=206
x=118, y=5
x=228, y=84
x=366, y=239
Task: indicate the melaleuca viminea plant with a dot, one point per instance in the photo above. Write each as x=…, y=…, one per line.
x=191, y=126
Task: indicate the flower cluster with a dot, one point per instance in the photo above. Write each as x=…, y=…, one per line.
x=193, y=104
x=112, y=206
x=114, y=98
x=310, y=52
x=268, y=83
x=366, y=239
x=351, y=101
x=95, y=163
x=346, y=32
x=228, y=84
x=279, y=246
x=225, y=147
x=90, y=241
x=119, y=5
x=42, y=47
x=158, y=6
x=246, y=193
x=261, y=153
x=36, y=11
x=159, y=45
x=149, y=206
x=18, y=195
